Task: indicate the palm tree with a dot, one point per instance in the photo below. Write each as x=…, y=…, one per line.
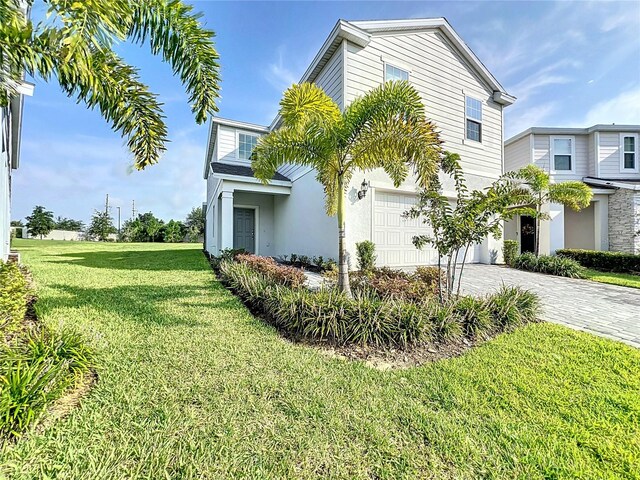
x=386, y=128
x=573, y=194
x=74, y=45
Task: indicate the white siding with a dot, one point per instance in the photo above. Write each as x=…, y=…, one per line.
x=517, y=154
x=610, y=157
x=541, y=151
x=5, y=190
x=592, y=139
x=542, y=156
x=443, y=79
x=226, y=145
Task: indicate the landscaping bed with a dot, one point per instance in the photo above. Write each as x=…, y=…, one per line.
x=393, y=318
x=43, y=371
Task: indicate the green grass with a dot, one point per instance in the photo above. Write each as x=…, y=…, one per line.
x=622, y=279
x=192, y=386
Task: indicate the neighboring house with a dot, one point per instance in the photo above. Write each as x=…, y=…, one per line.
x=287, y=216
x=606, y=157
x=10, y=124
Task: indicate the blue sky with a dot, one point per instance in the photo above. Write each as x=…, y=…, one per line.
x=569, y=64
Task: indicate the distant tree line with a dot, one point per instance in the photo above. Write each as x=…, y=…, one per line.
x=146, y=227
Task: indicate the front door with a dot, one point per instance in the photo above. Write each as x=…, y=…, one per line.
x=527, y=234
x=244, y=229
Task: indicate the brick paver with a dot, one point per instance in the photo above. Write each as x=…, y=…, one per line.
x=606, y=310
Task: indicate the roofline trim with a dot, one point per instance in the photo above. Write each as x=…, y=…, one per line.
x=600, y=127
x=611, y=183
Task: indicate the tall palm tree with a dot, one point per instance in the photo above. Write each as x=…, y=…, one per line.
x=75, y=45
x=386, y=128
x=573, y=194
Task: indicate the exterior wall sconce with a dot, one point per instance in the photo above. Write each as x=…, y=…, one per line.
x=363, y=189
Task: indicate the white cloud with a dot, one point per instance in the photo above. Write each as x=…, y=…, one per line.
x=278, y=75
x=621, y=109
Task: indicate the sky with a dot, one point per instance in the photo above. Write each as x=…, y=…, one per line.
x=569, y=64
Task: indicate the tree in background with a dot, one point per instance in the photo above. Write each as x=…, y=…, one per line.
x=101, y=226
x=573, y=194
x=40, y=222
x=152, y=226
x=69, y=224
x=173, y=232
x=145, y=228
x=194, y=224
x=74, y=45
x=17, y=223
x=386, y=128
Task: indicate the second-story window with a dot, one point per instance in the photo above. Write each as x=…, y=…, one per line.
x=246, y=144
x=473, y=114
x=562, y=152
x=629, y=152
x=394, y=73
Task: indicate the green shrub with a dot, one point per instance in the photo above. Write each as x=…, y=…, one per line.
x=366, y=253
x=605, y=261
x=14, y=297
x=550, y=264
x=513, y=306
x=474, y=316
x=370, y=319
x=281, y=274
x=431, y=275
x=510, y=250
x=224, y=255
x=35, y=371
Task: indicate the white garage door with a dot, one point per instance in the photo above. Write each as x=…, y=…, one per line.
x=393, y=234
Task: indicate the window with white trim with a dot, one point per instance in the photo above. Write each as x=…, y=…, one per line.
x=629, y=146
x=562, y=151
x=392, y=73
x=473, y=118
x=246, y=144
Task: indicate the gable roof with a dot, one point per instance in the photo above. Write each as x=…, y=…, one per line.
x=360, y=33
x=240, y=171
x=573, y=131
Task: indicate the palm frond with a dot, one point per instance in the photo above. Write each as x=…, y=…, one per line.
x=573, y=194
x=307, y=103
x=289, y=146
x=175, y=32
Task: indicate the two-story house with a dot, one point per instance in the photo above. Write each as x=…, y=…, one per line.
x=287, y=216
x=605, y=157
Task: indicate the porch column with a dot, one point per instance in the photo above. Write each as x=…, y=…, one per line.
x=226, y=220
x=556, y=228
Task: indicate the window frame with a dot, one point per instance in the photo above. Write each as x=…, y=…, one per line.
x=394, y=65
x=467, y=118
x=552, y=155
x=623, y=151
x=248, y=133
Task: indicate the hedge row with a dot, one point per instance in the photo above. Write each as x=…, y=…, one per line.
x=367, y=319
x=15, y=294
x=550, y=264
x=289, y=276
x=606, y=261
x=388, y=283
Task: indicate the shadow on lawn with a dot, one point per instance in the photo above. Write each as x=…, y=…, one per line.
x=154, y=260
x=142, y=304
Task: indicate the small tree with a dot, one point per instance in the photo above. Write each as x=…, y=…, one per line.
x=574, y=194
x=194, y=224
x=17, y=223
x=472, y=217
x=40, y=222
x=386, y=128
x=172, y=232
x=153, y=226
x=69, y=224
x=101, y=226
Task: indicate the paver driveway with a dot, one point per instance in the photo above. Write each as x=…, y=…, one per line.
x=607, y=310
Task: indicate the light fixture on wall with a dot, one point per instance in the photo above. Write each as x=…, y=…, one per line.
x=363, y=189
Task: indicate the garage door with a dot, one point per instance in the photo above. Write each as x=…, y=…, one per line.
x=393, y=234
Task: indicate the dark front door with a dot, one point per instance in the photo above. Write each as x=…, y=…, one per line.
x=244, y=229
x=527, y=234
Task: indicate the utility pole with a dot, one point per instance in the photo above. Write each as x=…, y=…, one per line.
x=133, y=209
x=118, y=221
x=106, y=205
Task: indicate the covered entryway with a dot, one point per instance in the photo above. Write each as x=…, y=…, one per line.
x=393, y=234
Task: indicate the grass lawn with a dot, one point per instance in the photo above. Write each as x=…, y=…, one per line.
x=192, y=386
x=623, y=279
